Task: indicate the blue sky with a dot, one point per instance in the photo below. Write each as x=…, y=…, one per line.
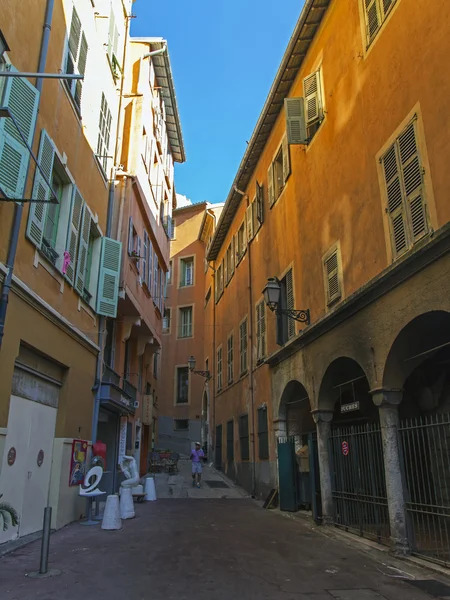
x=224, y=57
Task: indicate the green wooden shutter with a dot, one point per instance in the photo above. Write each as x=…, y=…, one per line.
x=286, y=159
x=270, y=185
x=22, y=100
x=74, y=228
x=82, y=58
x=83, y=248
x=295, y=120
x=290, y=302
x=395, y=204
x=413, y=182
x=108, y=279
x=75, y=34
x=313, y=108
x=38, y=211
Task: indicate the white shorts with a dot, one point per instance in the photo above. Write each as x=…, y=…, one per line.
x=196, y=467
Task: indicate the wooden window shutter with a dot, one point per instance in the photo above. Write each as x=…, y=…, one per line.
x=395, y=205
x=270, y=185
x=413, y=182
x=145, y=258
x=75, y=34
x=295, y=120
x=236, y=248
x=233, y=254
x=290, y=303
x=72, y=240
x=387, y=4
x=373, y=18
x=150, y=265
x=332, y=277
x=260, y=203
x=221, y=276
x=155, y=275
x=286, y=159
x=138, y=252
x=313, y=108
x=22, y=100
x=82, y=59
x=111, y=34
x=225, y=263
x=108, y=280
x=130, y=236
x=38, y=211
x=249, y=215
x=83, y=250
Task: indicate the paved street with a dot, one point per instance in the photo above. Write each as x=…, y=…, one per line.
x=203, y=548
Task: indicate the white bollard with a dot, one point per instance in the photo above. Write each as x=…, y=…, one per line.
x=127, y=504
x=111, y=516
x=150, y=490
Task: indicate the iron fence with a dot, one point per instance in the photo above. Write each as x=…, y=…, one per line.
x=358, y=482
x=425, y=443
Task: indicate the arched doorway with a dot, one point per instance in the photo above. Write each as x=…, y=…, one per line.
x=298, y=470
x=418, y=363
x=355, y=451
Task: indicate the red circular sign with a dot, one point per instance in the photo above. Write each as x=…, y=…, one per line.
x=345, y=448
x=11, y=456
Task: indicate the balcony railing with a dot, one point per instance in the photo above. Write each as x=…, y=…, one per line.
x=129, y=389
x=110, y=376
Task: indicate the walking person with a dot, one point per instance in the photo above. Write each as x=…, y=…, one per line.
x=197, y=456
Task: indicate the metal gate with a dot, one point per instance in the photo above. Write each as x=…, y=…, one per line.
x=358, y=483
x=426, y=452
x=298, y=474
x=218, y=447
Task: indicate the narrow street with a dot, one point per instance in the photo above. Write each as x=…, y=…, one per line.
x=203, y=546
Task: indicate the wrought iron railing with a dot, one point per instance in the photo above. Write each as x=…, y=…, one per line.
x=129, y=389
x=110, y=376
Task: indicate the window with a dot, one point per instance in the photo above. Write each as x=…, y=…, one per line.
x=169, y=273
x=229, y=262
x=109, y=353
x=219, y=281
x=146, y=150
x=219, y=369
x=250, y=222
x=313, y=103
x=243, y=347
x=182, y=385
x=52, y=217
x=185, y=322
x=181, y=424
x=104, y=134
x=244, y=437
x=166, y=321
x=208, y=296
x=90, y=237
x=260, y=331
x=76, y=58
x=155, y=364
x=230, y=359
x=263, y=434
x=113, y=44
x=403, y=178
x=259, y=206
x=285, y=324
x=187, y=271
x=332, y=275
x=230, y=441
x=241, y=244
x=376, y=12
x=278, y=172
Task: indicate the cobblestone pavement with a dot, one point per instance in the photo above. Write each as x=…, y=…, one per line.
x=204, y=548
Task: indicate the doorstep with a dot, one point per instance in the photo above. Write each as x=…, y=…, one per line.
x=378, y=552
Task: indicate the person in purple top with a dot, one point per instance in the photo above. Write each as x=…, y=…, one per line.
x=197, y=455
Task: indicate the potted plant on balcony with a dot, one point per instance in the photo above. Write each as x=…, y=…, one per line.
x=8, y=516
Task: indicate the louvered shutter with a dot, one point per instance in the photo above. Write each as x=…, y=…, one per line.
x=138, y=251
x=81, y=69
x=270, y=185
x=38, y=211
x=259, y=203
x=373, y=18
x=221, y=276
x=226, y=264
x=75, y=34
x=144, y=259
x=249, y=214
x=395, y=205
x=387, y=5
x=286, y=159
x=155, y=275
x=72, y=241
x=295, y=120
x=413, y=182
x=112, y=27
x=236, y=249
x=290, y=303
x=130, y=236
x=332, y=277
x=22, y=100
x=150, y=265
x=108, y=279
x=83, y=250
x=313, y=109
x=233, y=255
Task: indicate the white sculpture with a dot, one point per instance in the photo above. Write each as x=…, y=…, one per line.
x=129, y=469
x=91, y=489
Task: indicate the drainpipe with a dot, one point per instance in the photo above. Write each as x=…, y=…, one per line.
x=250, y=337
x=109, y=218
x=18, y=210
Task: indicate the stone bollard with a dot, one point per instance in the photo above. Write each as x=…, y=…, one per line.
x=150, y=490
x=111, y=516
x=126, y=504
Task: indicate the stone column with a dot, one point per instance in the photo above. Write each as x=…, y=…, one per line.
x=387, y=402
x=323, y=419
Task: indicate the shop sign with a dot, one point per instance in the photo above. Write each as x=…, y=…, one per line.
x=345, y=408
x=126, y=402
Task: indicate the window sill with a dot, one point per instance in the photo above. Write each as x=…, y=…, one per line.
x=82, y=304
x=41, y=259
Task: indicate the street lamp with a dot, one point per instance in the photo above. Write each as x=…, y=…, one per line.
x=191, y=363
x=272, y=292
